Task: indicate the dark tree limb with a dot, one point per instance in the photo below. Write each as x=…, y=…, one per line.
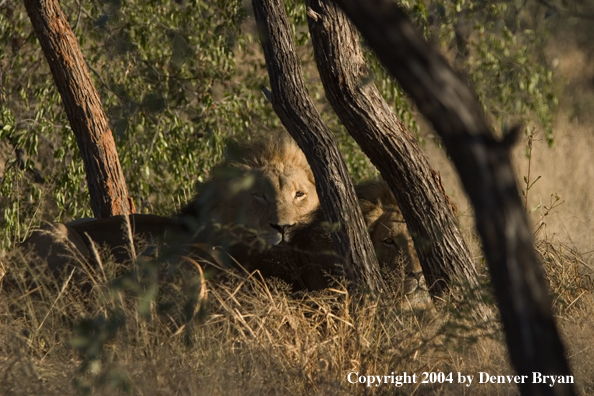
x=291, y=102
x=385, y=140
x=105, y=179
x=484, y=165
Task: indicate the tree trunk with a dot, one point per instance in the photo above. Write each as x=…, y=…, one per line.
x=486, y=171
x=384, y=139
x=107, y=187
x=298, y=114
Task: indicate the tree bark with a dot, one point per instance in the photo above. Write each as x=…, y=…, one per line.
x=291, y=102
x=443, y=254
x=484, y=165
x=107, y=186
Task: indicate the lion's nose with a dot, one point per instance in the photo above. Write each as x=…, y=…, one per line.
x=282, y=228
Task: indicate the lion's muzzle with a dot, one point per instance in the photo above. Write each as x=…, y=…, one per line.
x=284, y=231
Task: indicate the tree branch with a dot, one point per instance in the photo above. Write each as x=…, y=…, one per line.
x=105, y=179
x=290, y=100
x=384, y=139
x=486, y=171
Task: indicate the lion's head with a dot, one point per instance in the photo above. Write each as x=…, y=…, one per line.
x=266, y=187
x=392, y=242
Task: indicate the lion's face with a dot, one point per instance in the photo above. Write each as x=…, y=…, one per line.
x=393, y=244
x=389, y=237
x=263, y=192
x=279, y=200
x=395, y=251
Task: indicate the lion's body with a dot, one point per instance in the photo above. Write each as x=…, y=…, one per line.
x=113, y=232
x=64, y=247
x=262, y=191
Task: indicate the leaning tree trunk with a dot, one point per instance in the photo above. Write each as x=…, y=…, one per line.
x=107, y=187
x=298, y=114
x=444, y=256
x=484, y=165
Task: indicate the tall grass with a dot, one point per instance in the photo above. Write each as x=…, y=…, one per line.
x=150, y=331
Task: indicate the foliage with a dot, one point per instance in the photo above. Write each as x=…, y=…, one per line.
x=178, y=78
x=168, y=76
x=493, y=46
x=498, y=52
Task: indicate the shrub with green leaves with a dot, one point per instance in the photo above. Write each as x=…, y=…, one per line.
x=170, y=83
x=178, y=78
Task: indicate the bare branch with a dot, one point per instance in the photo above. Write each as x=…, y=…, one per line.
x=290, y=100
x=444, y=256
x=105, y=179
x=484, y=165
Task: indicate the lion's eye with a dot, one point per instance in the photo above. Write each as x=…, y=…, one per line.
x=299, y=194
x=388, y=241
x=259, y=196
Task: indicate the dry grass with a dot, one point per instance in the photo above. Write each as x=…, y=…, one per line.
x=248, y=337
x=571, y=281
x=251, y=337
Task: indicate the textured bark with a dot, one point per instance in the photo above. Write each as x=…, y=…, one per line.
x=486, y=171
x=298, y=114
x=385, y=140
x=107, y=187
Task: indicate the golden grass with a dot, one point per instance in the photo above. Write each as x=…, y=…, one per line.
x=249, y=337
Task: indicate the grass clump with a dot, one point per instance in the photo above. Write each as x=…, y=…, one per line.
x=151, y=331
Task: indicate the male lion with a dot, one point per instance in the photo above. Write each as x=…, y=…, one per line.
x=268, y=189
x=261, y=192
